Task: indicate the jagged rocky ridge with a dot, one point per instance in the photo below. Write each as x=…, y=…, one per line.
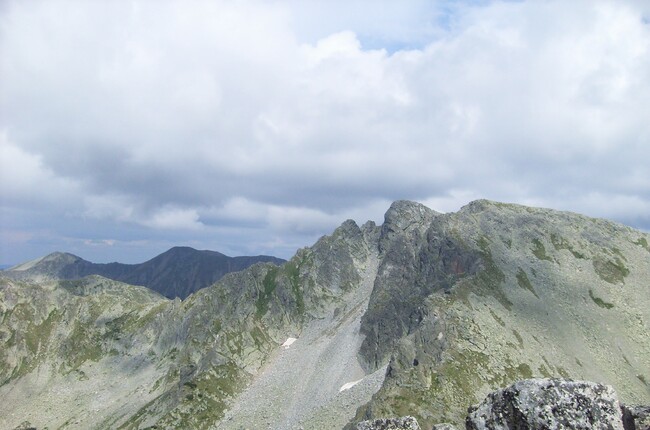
x=178, y=272
x=433, y=310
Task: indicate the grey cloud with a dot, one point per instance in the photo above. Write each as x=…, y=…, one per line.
x=146, y=121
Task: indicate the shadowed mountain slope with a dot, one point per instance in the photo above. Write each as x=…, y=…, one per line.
x=177, y=272
x=497, y=292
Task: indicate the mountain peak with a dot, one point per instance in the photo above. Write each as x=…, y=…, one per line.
x=61, y=257
x=349, y=226
x=481, y=205
x=403, y=214
x=181, y=250
x=409, y=210
x=56, y=258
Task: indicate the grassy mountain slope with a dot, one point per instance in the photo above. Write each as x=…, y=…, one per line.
x=64, y=357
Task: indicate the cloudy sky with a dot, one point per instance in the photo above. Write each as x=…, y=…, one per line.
x=250, y=127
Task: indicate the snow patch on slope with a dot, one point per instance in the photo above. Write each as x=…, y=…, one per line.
x=287, y=343
x=349, y=385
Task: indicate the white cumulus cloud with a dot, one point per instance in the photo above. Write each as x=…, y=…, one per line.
x=252, y=126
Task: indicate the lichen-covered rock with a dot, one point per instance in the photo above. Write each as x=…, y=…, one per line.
x=636, y=417
x=402, y=423
x=548, y=404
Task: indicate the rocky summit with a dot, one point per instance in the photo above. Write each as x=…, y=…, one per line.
x=422, y=316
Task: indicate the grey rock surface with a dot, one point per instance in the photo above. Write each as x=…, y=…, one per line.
x=395, y=307
x=401, y=423
x=537, y=404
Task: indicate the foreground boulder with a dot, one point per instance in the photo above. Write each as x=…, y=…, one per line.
x=548, y=404
x=401, y=423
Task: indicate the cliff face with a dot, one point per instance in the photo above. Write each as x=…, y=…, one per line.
x=506, y=292
x=421, y=316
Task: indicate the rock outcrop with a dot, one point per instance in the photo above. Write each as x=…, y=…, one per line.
x=401, y=423
x=548, y=404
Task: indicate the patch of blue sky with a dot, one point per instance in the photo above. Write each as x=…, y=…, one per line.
x=435, y=21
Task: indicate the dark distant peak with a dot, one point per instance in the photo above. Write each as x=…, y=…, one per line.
x=403, y=214
x=267, y=258
x=181, y=255
x=187, y=250
x=250, y=259
x=180, y=250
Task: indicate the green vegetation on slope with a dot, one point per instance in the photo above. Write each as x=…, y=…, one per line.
x=540, y=251
x=600, y=302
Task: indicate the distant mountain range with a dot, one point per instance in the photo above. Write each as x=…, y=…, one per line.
x=424, y=315
x=177, y=272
